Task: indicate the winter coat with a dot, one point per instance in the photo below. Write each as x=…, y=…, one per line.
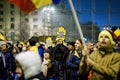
x=44, y=67
x=106, y=67
x=40, y=51
x=3, y=71
x=10, y=65
x=60, y=52
x=52, y=71
x=73, y=64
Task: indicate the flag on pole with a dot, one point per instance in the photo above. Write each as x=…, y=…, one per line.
x=30, y=5
x=77, y=22
x=2, y=37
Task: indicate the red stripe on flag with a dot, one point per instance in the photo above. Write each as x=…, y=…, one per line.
x=25, y=5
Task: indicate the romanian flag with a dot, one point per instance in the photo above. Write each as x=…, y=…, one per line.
x=30, y=5
x=2, y=37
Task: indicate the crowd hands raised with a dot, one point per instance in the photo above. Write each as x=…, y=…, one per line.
x=30, y=60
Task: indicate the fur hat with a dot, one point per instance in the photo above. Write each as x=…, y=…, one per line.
x=109, y=34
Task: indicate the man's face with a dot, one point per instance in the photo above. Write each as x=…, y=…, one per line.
x=104, y=41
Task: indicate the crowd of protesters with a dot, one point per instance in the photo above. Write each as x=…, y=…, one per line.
x=30, y=60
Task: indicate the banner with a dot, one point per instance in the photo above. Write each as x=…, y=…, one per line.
x=61, y=33
x=49, y=41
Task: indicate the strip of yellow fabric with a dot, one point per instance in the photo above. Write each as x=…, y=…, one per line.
x=117, y=32
x=41, y=3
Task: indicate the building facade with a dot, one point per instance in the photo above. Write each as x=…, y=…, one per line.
x=17, y=26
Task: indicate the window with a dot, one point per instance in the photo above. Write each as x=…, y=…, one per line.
x=12, y=26
x=12, y=35
x=1, y=26
x=26, y=19
x=12, y=6
x=1, y=12
x=1, y=33
x=35, y=27
x=1, y=5
x=35, y=19
x=35, y=13
x=12, y=19
x=12, y=12
x=1, y=19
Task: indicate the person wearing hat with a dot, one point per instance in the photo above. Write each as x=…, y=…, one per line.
x=32, y=44
x=104, y=62
x=71, y=48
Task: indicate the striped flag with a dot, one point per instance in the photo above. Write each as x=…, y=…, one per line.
x=30, y=5
x=2, y=37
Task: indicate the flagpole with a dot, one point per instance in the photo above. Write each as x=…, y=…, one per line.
x=77, y=23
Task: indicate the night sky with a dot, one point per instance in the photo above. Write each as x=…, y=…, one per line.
x=101, y=14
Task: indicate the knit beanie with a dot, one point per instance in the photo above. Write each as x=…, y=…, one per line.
x=109, y=34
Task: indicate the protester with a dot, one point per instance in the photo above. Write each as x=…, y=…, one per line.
x=60, y=52
x=104, y=62
x=49, y=67
x=40, y=49
x=15, y=51
x=30, y=64
x=71, y=48
x=9, y=63
x=31, y=44
x=74, y=60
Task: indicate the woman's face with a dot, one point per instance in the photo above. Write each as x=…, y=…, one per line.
x=104, y=41
x=78, y=45
x=14, y=50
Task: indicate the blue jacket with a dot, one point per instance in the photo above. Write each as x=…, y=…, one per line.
x=73, y=64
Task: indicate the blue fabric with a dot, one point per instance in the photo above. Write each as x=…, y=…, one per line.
x=41, y=51
x=73, y=64
x=56, y=1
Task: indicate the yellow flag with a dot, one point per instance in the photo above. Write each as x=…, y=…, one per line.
x=117, y=32
x=2, y=37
